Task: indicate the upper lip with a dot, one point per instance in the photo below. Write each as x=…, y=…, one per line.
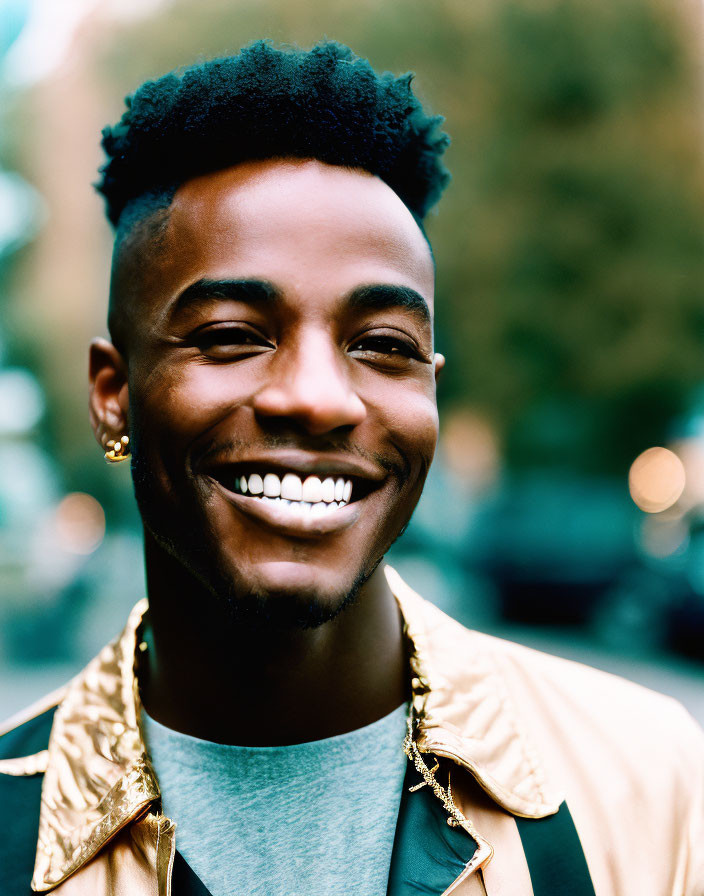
x=305, y=463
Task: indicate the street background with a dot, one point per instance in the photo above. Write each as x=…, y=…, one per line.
x=565, y=508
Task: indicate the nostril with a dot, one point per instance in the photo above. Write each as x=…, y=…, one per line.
x=317, y=410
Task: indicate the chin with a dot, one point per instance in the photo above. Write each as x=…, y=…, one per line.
x=288, y=595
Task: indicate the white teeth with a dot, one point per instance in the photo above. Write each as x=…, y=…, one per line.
x=313, y=490
x=328, y=490
x=312, y=493
x=291, y=487
x=272, y=485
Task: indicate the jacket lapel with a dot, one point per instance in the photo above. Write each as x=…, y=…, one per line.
x=554, y=854
x=428, y=855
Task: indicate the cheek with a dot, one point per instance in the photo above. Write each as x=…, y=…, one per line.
x=190, y=398
x=173, y=408
x=410, y=417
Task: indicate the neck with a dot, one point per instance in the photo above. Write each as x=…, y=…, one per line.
x=205, y=676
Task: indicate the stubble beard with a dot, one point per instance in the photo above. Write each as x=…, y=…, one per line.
x=235, y=604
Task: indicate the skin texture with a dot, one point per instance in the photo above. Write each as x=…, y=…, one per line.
x=322, y=360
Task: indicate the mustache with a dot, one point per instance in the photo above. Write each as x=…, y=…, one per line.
x=398, y=467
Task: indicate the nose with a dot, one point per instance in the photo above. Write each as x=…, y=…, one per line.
x=309, y=385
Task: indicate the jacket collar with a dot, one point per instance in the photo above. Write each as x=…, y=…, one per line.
x=99, y=779
x=465, y=710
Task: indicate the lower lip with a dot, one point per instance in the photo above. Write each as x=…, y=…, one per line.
x=278, y=518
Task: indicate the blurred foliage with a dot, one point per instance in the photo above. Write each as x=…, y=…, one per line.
x=575, y=291
x=569, y=246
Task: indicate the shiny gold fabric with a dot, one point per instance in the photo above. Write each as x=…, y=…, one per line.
x=137, y=862
x=98, y=778
x=463, y=707
x=630, y=762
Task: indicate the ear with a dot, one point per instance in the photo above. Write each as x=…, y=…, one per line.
x=439, y=362
x=109, y=400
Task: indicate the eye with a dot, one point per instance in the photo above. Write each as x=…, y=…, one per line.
x=389, y=350
x=230, y=340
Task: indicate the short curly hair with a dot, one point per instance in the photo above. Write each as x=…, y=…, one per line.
x=264, y=102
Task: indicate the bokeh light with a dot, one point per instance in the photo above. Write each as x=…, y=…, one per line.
x=470, y=447
x=691, y=452
x=21, y=400
x=664, y=536
x=79, y=523
x=656, y=479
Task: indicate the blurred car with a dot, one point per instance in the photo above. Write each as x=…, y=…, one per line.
x=568, y=550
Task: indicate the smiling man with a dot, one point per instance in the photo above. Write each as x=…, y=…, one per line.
x=284, y=715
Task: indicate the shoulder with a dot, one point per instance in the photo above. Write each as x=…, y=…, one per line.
x=544, y=689
x=563, y=691
x=602, y=719
x=548, y=697
x=630, y=762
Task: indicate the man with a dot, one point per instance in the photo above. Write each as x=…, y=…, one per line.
x=287, y=716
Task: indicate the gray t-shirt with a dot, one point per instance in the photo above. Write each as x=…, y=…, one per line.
x=313, y=819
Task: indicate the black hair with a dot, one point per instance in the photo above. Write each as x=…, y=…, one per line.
x=325, y=103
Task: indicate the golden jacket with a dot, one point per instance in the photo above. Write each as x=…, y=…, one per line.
x=525, y=734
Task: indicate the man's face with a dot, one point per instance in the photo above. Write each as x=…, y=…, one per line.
x=281, y=339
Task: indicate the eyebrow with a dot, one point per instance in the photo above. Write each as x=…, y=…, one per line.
x=371, y=297
x=383, y=296
x=253, y=292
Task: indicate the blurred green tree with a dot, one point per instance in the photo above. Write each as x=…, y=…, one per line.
x=579, y=254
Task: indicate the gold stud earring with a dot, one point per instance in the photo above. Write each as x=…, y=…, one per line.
x=117, y=450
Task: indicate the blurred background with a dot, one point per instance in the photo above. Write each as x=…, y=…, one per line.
x=565, y=508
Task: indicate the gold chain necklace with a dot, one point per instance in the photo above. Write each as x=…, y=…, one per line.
x=484, y=852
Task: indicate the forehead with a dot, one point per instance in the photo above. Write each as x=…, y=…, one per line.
x=301, y=224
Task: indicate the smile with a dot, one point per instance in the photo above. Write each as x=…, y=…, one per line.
x=292, y=503
x=310, y=495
